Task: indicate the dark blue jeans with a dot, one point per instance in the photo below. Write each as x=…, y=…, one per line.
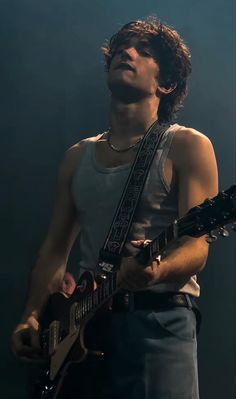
x=153, y=355
x=149, y=355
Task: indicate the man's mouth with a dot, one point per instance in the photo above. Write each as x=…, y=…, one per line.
x=125, y=65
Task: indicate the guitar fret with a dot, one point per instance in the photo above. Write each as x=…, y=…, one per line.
x=93, y=300
x=88, y=303
x=114, y=282
x=170, y=232
x=77, y=313
x=165, y=237
x=154, y=247
x=83, y=308
x=96, y=297
x=99, y=295
x=106, y=289
x=73, y=310
x=110, y=285
x=162, y=240
x=103, y=291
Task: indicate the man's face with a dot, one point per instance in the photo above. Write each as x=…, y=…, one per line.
x=133, y=70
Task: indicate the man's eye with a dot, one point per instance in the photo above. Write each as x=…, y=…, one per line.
x=145, y=52
x=119, y=51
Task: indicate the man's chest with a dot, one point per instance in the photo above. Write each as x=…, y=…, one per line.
x=108, y=158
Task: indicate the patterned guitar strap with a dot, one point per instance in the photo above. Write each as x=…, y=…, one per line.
x=110, y=254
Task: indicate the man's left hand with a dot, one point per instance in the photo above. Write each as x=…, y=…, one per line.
x=133, y=276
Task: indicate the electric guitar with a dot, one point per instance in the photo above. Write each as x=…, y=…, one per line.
x=65, y=318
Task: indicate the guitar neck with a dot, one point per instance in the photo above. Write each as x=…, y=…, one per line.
x=108, y=287
x=159, y=244
x=93, y=301
x=202, y=219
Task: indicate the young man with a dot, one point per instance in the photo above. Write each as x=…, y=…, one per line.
x=151, y=349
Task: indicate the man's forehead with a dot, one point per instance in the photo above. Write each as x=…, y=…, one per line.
x=134, y=41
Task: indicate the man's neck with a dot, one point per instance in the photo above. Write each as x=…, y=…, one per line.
x=130, y=121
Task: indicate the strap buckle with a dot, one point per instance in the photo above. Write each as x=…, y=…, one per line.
x=108, y=262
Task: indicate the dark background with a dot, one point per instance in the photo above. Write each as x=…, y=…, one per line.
x=53, y=92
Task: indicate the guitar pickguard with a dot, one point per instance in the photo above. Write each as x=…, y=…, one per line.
x=61, y=353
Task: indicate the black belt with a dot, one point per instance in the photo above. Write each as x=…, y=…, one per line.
x=129, y=301
x=149, y=300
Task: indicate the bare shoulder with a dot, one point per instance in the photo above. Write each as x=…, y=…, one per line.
x=188, y=136
x=73, y=155
x=189, y=144
x=74, y=152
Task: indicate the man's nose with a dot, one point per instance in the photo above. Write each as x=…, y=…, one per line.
x=129, y=53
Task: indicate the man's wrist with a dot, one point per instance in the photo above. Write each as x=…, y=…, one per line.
x=29, y=315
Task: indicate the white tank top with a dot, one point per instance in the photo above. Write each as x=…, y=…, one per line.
x=96, y=192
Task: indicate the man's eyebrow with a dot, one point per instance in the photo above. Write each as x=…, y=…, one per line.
x=138, y=43
x=145, y=42
x=127, y=41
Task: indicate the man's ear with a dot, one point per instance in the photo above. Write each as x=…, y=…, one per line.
x=166, y=90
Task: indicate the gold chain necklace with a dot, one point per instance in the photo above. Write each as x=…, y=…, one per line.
x=121, y=149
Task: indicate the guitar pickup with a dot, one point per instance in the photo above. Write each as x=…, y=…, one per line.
x=54, y=336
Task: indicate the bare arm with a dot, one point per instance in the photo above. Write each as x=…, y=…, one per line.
x=195, y=164
x=50, y=267
x=51, y=263
x=198, y=179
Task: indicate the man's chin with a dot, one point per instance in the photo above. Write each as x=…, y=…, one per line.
x=125, y=92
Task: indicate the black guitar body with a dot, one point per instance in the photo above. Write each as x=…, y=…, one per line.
x=86, y=347
x=58, y=305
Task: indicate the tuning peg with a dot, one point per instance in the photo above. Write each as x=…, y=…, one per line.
x=211, y=238
x=223, y=232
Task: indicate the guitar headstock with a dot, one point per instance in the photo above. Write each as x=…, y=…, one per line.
x=214, y=213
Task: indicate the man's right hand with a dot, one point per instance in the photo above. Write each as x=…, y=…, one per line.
x=25, y=340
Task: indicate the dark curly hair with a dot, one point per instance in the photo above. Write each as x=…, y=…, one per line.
x=170, y=52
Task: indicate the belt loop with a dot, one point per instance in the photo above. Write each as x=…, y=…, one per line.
x=190, y=306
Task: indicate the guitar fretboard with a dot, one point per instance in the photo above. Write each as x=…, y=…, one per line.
x=159, y=244
x=198, y=221
x=93, y=301
x=105, y=290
